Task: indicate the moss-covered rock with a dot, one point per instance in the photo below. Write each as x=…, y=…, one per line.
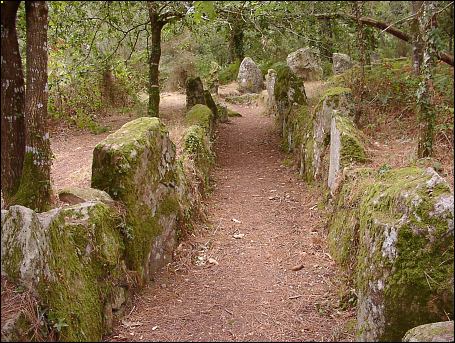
x=288, y=88
x=433, y=332
x=197, y=146
x=76, y=195
x=346, y=148
x=200, y=115
x=211, y=104
x=24, y=246
x=232, y=113
x=244, y=99
x=394, y=230
x=222, y=114
x=194, y=92
x=136, y=165
x=69, y=259
x=335, y=101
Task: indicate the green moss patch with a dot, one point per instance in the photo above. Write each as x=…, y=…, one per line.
x=200, y=115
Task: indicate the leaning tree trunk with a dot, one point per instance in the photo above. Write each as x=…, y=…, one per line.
x=35, y=188
x=416, y=7
x=13, y=103
x=425, y=104
x=154, y=61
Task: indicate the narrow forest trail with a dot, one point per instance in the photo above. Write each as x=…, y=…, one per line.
x=244, y=288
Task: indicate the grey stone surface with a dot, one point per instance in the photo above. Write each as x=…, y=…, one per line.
x=249, y=77
x=341, y=63
x=305, y=64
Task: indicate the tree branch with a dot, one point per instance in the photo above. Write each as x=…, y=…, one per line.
x=385, y=27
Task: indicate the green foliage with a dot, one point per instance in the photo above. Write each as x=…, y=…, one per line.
x=229, y=72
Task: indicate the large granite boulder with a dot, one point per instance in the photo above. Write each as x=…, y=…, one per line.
x=305, y=64
x=341, y=63
x=433, y=332
x=249, y=77
x=194, y=92
x=136, y=165
x=392, y=233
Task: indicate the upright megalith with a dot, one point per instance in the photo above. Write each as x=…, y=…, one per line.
x=194, y=92
x=270, y=80
x=346, y=148
x=249, y=77
x=213, y=81
x=305, y=64
x=211, y=103
x=136, y=165
x=341, y=63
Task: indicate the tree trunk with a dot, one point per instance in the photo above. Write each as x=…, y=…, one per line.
x=236, y=52
x=154, y=61
x=35, y=188
x=12, y=104
x=358, y=10
x=425, y=91
x=326, y=40
x=416, y=38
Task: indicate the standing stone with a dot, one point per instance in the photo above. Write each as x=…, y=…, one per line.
x=249, y=77
x=211, y=104
x=213, y=81
x=194, y=92
x=341, y=63
x=304, y=63
x=270, y=79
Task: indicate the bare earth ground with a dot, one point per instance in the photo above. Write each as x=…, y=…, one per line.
x=233, y=280
x=73, y=149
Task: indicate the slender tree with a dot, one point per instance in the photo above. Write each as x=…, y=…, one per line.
x=358, y=11
x=160, y=13
x=416, y=7
x=12, y=103
x=35, y=188
x=425, y=90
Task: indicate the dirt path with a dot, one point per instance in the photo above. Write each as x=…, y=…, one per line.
x=244, y=288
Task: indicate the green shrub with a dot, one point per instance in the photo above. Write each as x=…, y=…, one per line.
x=229, y=72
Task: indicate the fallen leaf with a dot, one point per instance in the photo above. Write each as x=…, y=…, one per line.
x=212, y=261
x=238, y=235
x=236, y=221
x=297, y=267
x=129, y=324
x=154, y=328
